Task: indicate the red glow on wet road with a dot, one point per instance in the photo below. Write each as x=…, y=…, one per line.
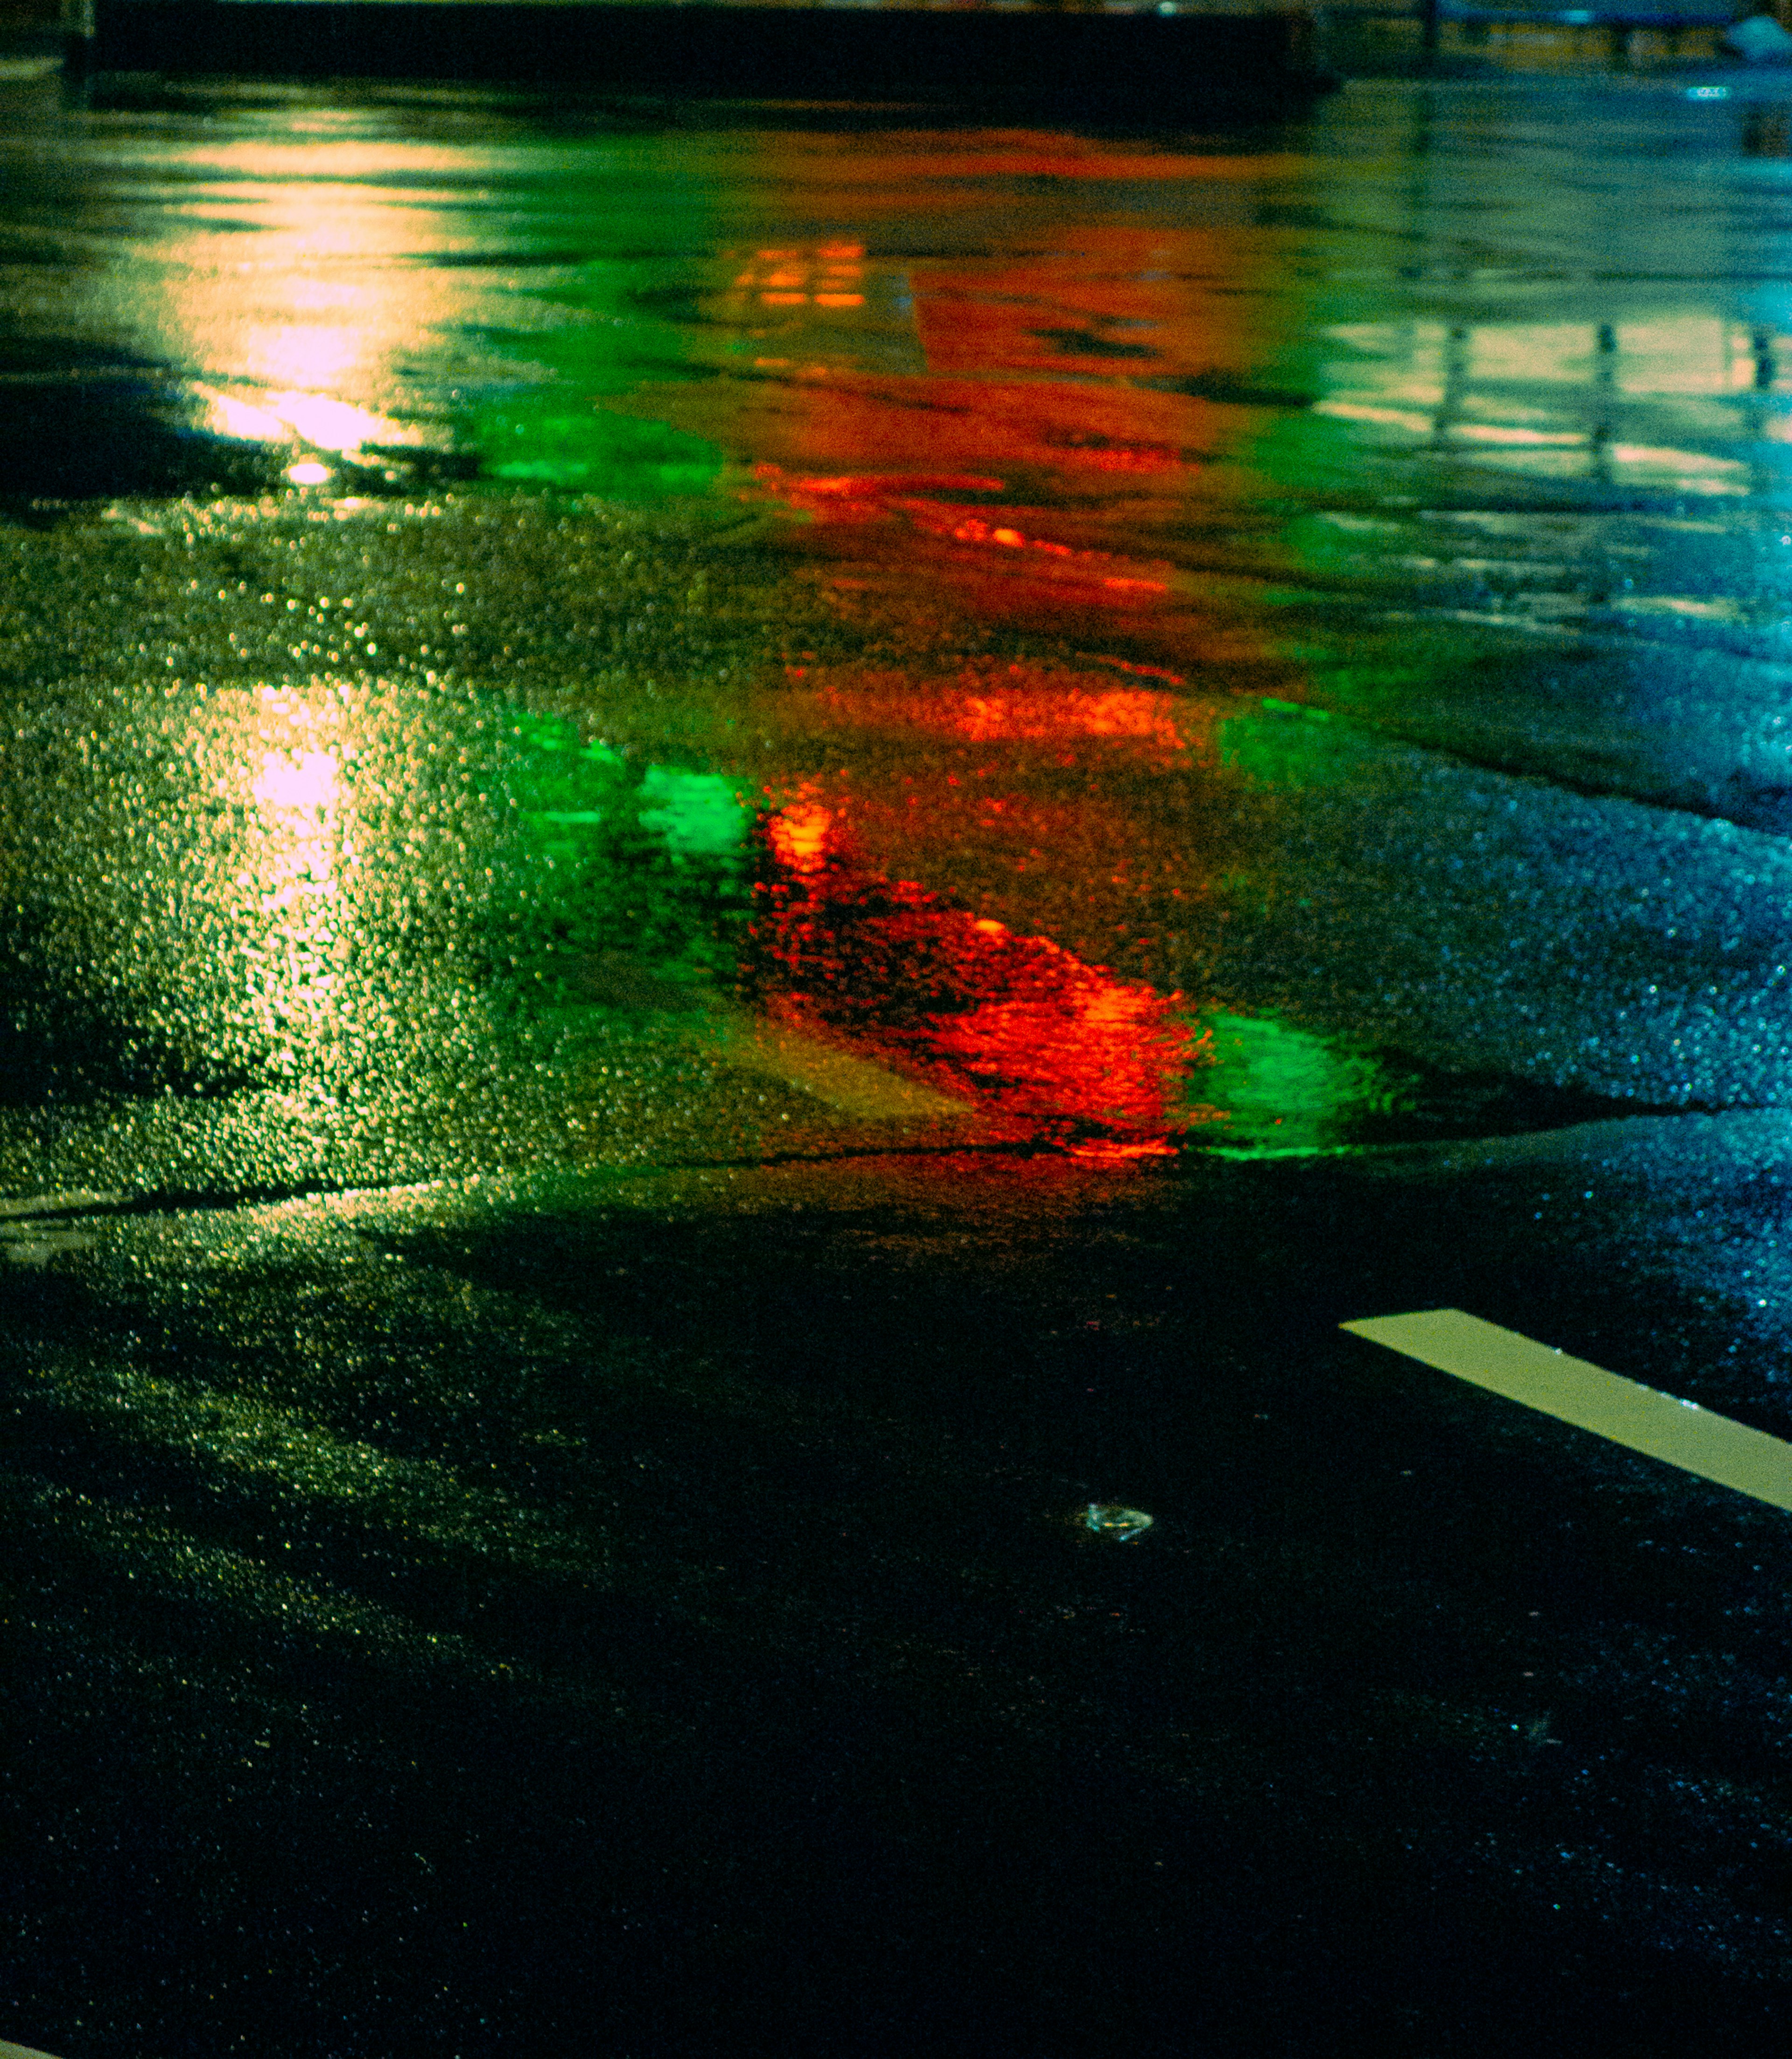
x=1051, y=1049
x=1028, y=473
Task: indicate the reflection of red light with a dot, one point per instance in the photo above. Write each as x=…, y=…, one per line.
x=1142, y=671
x=864, y=497
x=1147, y=717
x=875, y=489
x=1094, y=1051
x=798, y=834
x=1071, y=377
x=1033, y=702
x=1057, y=1051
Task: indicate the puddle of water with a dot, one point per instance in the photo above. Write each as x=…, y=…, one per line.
x=1025, y=502
x=1283, y=1091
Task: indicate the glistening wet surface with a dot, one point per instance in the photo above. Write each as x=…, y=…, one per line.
x=747, y=856
x=1185, y=510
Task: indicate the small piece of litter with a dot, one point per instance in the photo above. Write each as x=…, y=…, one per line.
x=1108, y=1519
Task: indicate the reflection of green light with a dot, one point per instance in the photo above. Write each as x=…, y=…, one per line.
x=1285, y=1092
x=698, y=814
x=579, y=429
x=559, y=783
x=1289, y=746
x=607, y=860
x=533, y=442
x=1310, y=453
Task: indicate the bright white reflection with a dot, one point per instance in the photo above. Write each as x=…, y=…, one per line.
x=296, y=330
x=334, y=424
x=317, y=419
x=303, y=780
x=282, y=759
x=227, y=416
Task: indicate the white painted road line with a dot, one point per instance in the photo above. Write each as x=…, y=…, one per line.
x=1660, y=1425
x=854, y=1085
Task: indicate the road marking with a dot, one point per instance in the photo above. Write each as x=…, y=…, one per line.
x=1660, y=1425
x=853, y=1085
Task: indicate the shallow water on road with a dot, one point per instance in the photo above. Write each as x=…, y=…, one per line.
x=1260, y=642
x=683, y=801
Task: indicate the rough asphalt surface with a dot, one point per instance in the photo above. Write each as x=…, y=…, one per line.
x=742, y=854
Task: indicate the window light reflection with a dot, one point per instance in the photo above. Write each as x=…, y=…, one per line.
x=1664, y=402
x=832, y=275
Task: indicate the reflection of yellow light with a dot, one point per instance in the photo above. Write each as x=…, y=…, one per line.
x=296, y=780
x=1357, y=411
x=320, y=159
x=1691, y=470
x=333, y=424
x=308, y=473
x=226, y=416
x=1507, y=432
x=278, y=759
x=313, y=418
x=832, y=278
x=333, y=288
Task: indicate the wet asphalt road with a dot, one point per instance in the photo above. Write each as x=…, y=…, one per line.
x=741, y=856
